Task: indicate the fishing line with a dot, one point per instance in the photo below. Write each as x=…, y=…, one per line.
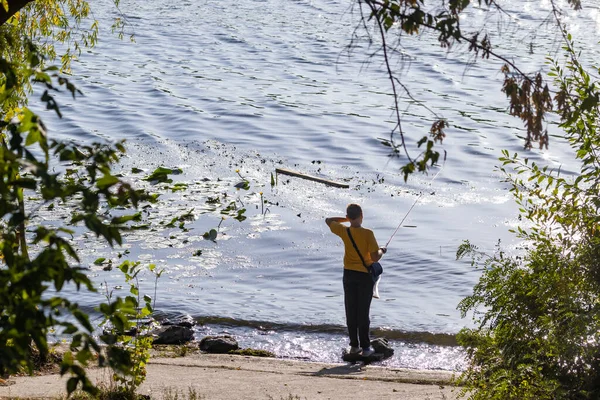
x=416, y=201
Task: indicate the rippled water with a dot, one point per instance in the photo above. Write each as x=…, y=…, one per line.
x=212, y=87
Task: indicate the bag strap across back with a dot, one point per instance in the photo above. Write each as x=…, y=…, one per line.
x=356, y=248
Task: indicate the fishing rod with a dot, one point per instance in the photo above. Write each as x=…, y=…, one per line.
x=416, y=201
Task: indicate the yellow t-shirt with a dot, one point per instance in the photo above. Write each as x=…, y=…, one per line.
x=365, y=241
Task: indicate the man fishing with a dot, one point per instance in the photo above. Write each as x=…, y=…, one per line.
x=358, y=283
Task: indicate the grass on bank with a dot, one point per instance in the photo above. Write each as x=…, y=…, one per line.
x=108, y=393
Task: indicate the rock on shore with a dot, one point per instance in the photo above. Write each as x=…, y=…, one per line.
x=219, y=344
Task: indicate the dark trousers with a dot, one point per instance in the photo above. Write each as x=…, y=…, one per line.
x=358, y=292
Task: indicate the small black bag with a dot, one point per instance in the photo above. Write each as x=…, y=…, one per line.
x=374, y=269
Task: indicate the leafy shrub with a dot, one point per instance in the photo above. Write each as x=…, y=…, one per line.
x=36, y=259
x=537, y=314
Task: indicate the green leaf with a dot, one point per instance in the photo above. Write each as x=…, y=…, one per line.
x=240, y=215
x=242, y=185
x=210, y=235
x=589, y=103
x=126, y=218
x=83, y=319
x=161, y=174
x=139, y=227
x=144, y=312
x=26, y=183
x=34, y=136
x=106, y=181
x=124, y=267
x=72, y=385
x=172, y=223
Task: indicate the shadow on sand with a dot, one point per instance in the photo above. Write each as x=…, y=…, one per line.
x=347, y=369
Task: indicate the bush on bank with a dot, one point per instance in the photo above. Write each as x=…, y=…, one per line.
x=537, y=314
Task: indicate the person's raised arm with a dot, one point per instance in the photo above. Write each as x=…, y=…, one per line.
x=329, y=220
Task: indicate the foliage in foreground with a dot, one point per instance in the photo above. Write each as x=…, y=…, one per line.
x=38, y=262
x=46, y=23
x=537, y=315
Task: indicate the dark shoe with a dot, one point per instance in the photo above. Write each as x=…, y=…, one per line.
x=368, y=351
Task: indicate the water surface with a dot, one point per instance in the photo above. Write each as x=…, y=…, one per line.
x=214, y=87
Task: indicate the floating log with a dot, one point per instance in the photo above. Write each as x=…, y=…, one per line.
x=284, y=171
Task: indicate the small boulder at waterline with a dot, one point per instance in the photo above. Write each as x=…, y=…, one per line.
x=173, y=334
x=219, y=344
x=186, y=321
x=382, y=346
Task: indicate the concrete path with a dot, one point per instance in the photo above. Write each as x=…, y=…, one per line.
x=239, y=377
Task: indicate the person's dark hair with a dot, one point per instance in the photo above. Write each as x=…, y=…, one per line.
x=353, y=211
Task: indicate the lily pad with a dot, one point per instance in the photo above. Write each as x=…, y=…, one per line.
x=211, y=235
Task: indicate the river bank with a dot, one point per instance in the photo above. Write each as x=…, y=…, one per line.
x=225, y=377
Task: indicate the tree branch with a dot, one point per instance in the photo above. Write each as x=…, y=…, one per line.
x=393, y=82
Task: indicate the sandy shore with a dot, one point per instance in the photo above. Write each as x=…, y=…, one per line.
x=241, y=377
